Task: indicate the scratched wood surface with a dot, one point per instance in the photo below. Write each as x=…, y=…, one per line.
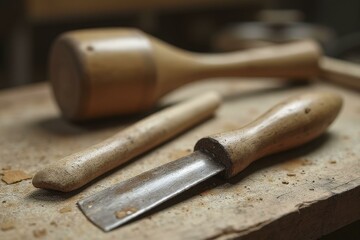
x=303, y=193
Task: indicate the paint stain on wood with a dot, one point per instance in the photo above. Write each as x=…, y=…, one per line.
x=7, y=225
x=65, y=209
x=14, y=176
x=39, y=233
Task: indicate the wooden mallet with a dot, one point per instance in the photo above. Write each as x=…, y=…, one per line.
x=103, y=72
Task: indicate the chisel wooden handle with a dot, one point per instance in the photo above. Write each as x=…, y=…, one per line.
x=102, y=72
x=76, y=170
x=287, y=125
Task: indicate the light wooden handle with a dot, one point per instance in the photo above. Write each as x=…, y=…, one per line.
x=297, y=59
x=289, y=124
x=291, y=61
x=340, y=72
x=115, y=71
x=76, y=170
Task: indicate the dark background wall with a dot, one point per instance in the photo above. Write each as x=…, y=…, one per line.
x=27, y=28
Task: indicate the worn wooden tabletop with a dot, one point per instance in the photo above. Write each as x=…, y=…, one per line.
x=303, y=193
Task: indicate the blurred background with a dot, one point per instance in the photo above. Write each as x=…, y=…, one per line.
x=28, y=27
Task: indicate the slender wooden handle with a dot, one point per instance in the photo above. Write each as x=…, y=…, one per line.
x=292, y=60
x=289, y=124
x=76, y=170
x=116, y=71
x=341, y=72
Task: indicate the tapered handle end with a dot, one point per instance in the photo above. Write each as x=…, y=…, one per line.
x=291, y=123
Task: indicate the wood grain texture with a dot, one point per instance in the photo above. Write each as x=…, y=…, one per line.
x=263, y=202
x=74, y=171
x=291, y=123
x=113, y=71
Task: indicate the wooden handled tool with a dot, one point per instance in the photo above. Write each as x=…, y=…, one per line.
x=289, y=124
x=102, y=72
x=341, y=72
x=76, y=170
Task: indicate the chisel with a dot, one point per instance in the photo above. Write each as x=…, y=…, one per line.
x=291, y=123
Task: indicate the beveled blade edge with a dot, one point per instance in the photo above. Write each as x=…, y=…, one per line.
x=141, y=193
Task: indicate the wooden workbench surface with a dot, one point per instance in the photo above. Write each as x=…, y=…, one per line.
x=303, y=193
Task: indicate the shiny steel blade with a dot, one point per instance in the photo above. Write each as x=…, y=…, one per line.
x=124, y=201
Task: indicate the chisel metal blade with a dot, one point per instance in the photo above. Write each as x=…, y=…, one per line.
x=123, y=202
